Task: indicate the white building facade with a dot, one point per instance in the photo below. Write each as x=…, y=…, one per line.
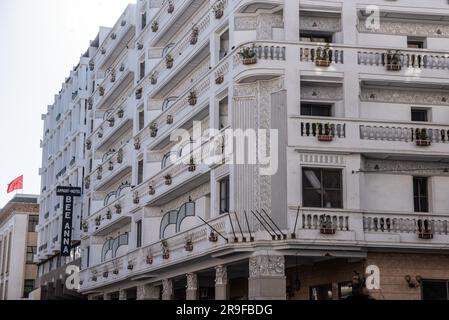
x=359, y=132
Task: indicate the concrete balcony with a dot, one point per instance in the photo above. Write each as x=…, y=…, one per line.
x=115, y=124
x=333, y=227
x=371, y=136
x=140, y=263
x=186, y=57
x=181, y=114
x=117, y=79
x=117, y=40
x=169, y=23
x=112, y=216
x=114, y=166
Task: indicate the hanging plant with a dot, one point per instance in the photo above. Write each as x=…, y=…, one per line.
x=169, y=61
x=194, y=35
x=171, y=6
x=218, y=9
x=137, y=144
x=153, y=129
x=109, y=214
x=98, y=221
x=91, y=65
x=101, y=91
x=85, y=226
x=111, y=122
x=122, y=67
x=120, y=113
x=88, y=145
x=169, y=119
x=90, y=103
x=155, y=26
x=192, y=98
x=136, y=198
x=151, y=191
x=120, y=156
x=111, y=166
x=192, y=165
x=87, y=183
x=139, y=93
x=118, y=208
x=168, y=179
x=213, y=237
x=153, y=78
x=219, y=79
x=248, y=55
x=99, y=172
x=113, y=36
x=113, y=75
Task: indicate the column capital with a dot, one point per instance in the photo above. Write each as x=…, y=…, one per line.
x=221, y=275
x=167, y=289
x=192, y=281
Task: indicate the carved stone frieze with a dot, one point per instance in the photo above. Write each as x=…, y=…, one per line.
x=434, y=30
x=321, y=93
x=330, y=24
x=264, y=265
x=408, y=96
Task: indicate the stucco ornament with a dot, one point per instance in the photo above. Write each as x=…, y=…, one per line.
x=192, y=281
x=221, y=275
x=266, y=266
x=167, y=287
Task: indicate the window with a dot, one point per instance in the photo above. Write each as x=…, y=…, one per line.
x=224, y=195
x=316, y=37
x=322, y=188
x=316, y=109
x=28, y=287
x=419, y=115
x=141, y=119
x=323, y=292
x=31, y=251
x=33, y=221
x=420, y=194
x=142, y=70
x=143, y=20
x=344, y=290
x=88, y=257
x=224, y=44
x=223, y=113
x=139, y=234
x=416, y=43
x=435, y=290
x=140, y=172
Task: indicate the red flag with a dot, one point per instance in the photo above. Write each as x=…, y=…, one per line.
x=16, y=184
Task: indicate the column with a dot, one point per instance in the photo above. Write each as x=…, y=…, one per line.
x=192, y=287
x=267, y=279
x=221, y=283
x=107, y=296
x=167, y=289
x=148, y=292
x=123, y=295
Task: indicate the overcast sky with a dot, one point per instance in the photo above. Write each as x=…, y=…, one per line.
x=40, y=42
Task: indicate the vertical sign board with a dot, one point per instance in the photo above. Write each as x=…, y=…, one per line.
x=69, y=193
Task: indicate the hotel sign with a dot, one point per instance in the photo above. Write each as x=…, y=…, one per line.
x=69, y=193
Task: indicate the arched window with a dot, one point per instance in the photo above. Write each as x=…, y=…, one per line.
x=176, y=217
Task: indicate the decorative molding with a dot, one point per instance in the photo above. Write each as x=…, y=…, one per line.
x=192, y=281
x=221, y=275
x=321, y=93
x=262, y=266
x=315, y=158
x=405, y=167
x=407, y=96
x=320, y=24
x=433, y=30
x=167, y=287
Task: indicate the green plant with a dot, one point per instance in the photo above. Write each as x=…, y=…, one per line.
x=323, y=53
x=248, y=52
x=393, y=57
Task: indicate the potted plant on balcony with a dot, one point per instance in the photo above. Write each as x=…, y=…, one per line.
x=218, y=9
x=424, y=230
x=155, y=26
x=220, y=78
x=153, y=78
x=248, y=55
x=122, y=67
x=118, y=208
x=153, y=129
x=98, y=221
x=105, y=274
x=111, y=165
x=165, y=250
x=101, y=91
x=113, y=75
x=123, y=23
x=139, y=94
x=151, y=190
x=393, y=60
x=85, y=226
x=168, y=179
x=120, y=156
x=213, y=237
x=94, y=276
x=109, y=214
x=130, y=265
x=91, y=65
x=171, y=6
x=90, y=103
x=87, y=183
x=100, y=133
x=169, y=61
x=111, y=122
x=137, y=144
x=324, y=134
x=99, y=172
x=103, y=51
x=139, y=46
x=169, y=119
x=149, y=259
x=326, y=225
x=88, y=145
x=323, y=56
x=120, y=113
x=422, y=140
x=136, y=198
x=189, y=244
x=194, y=35
x=192, y=98
x=192, y=165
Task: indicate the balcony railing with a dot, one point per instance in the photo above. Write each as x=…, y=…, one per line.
x=112, y=164
x=312, y=54
x=404, y=133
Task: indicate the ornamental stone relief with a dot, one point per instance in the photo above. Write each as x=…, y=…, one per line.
x=320, y=23
x=221, y=275
x=321, y=93
x=146, y=292
x=261, y=266
x=263, y=23
x=167, y=287
x=405, y=167
x=405, y=96
x=433, y=30
x=192, y=281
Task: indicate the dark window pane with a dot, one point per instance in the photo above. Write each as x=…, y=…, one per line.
x=317, y=110
x=332, y=179
x=311, y=178
x=419, y=115
x=322, y=195
x=332, y=199
x=435, y=290
x=312, y=198
x=420, y=194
